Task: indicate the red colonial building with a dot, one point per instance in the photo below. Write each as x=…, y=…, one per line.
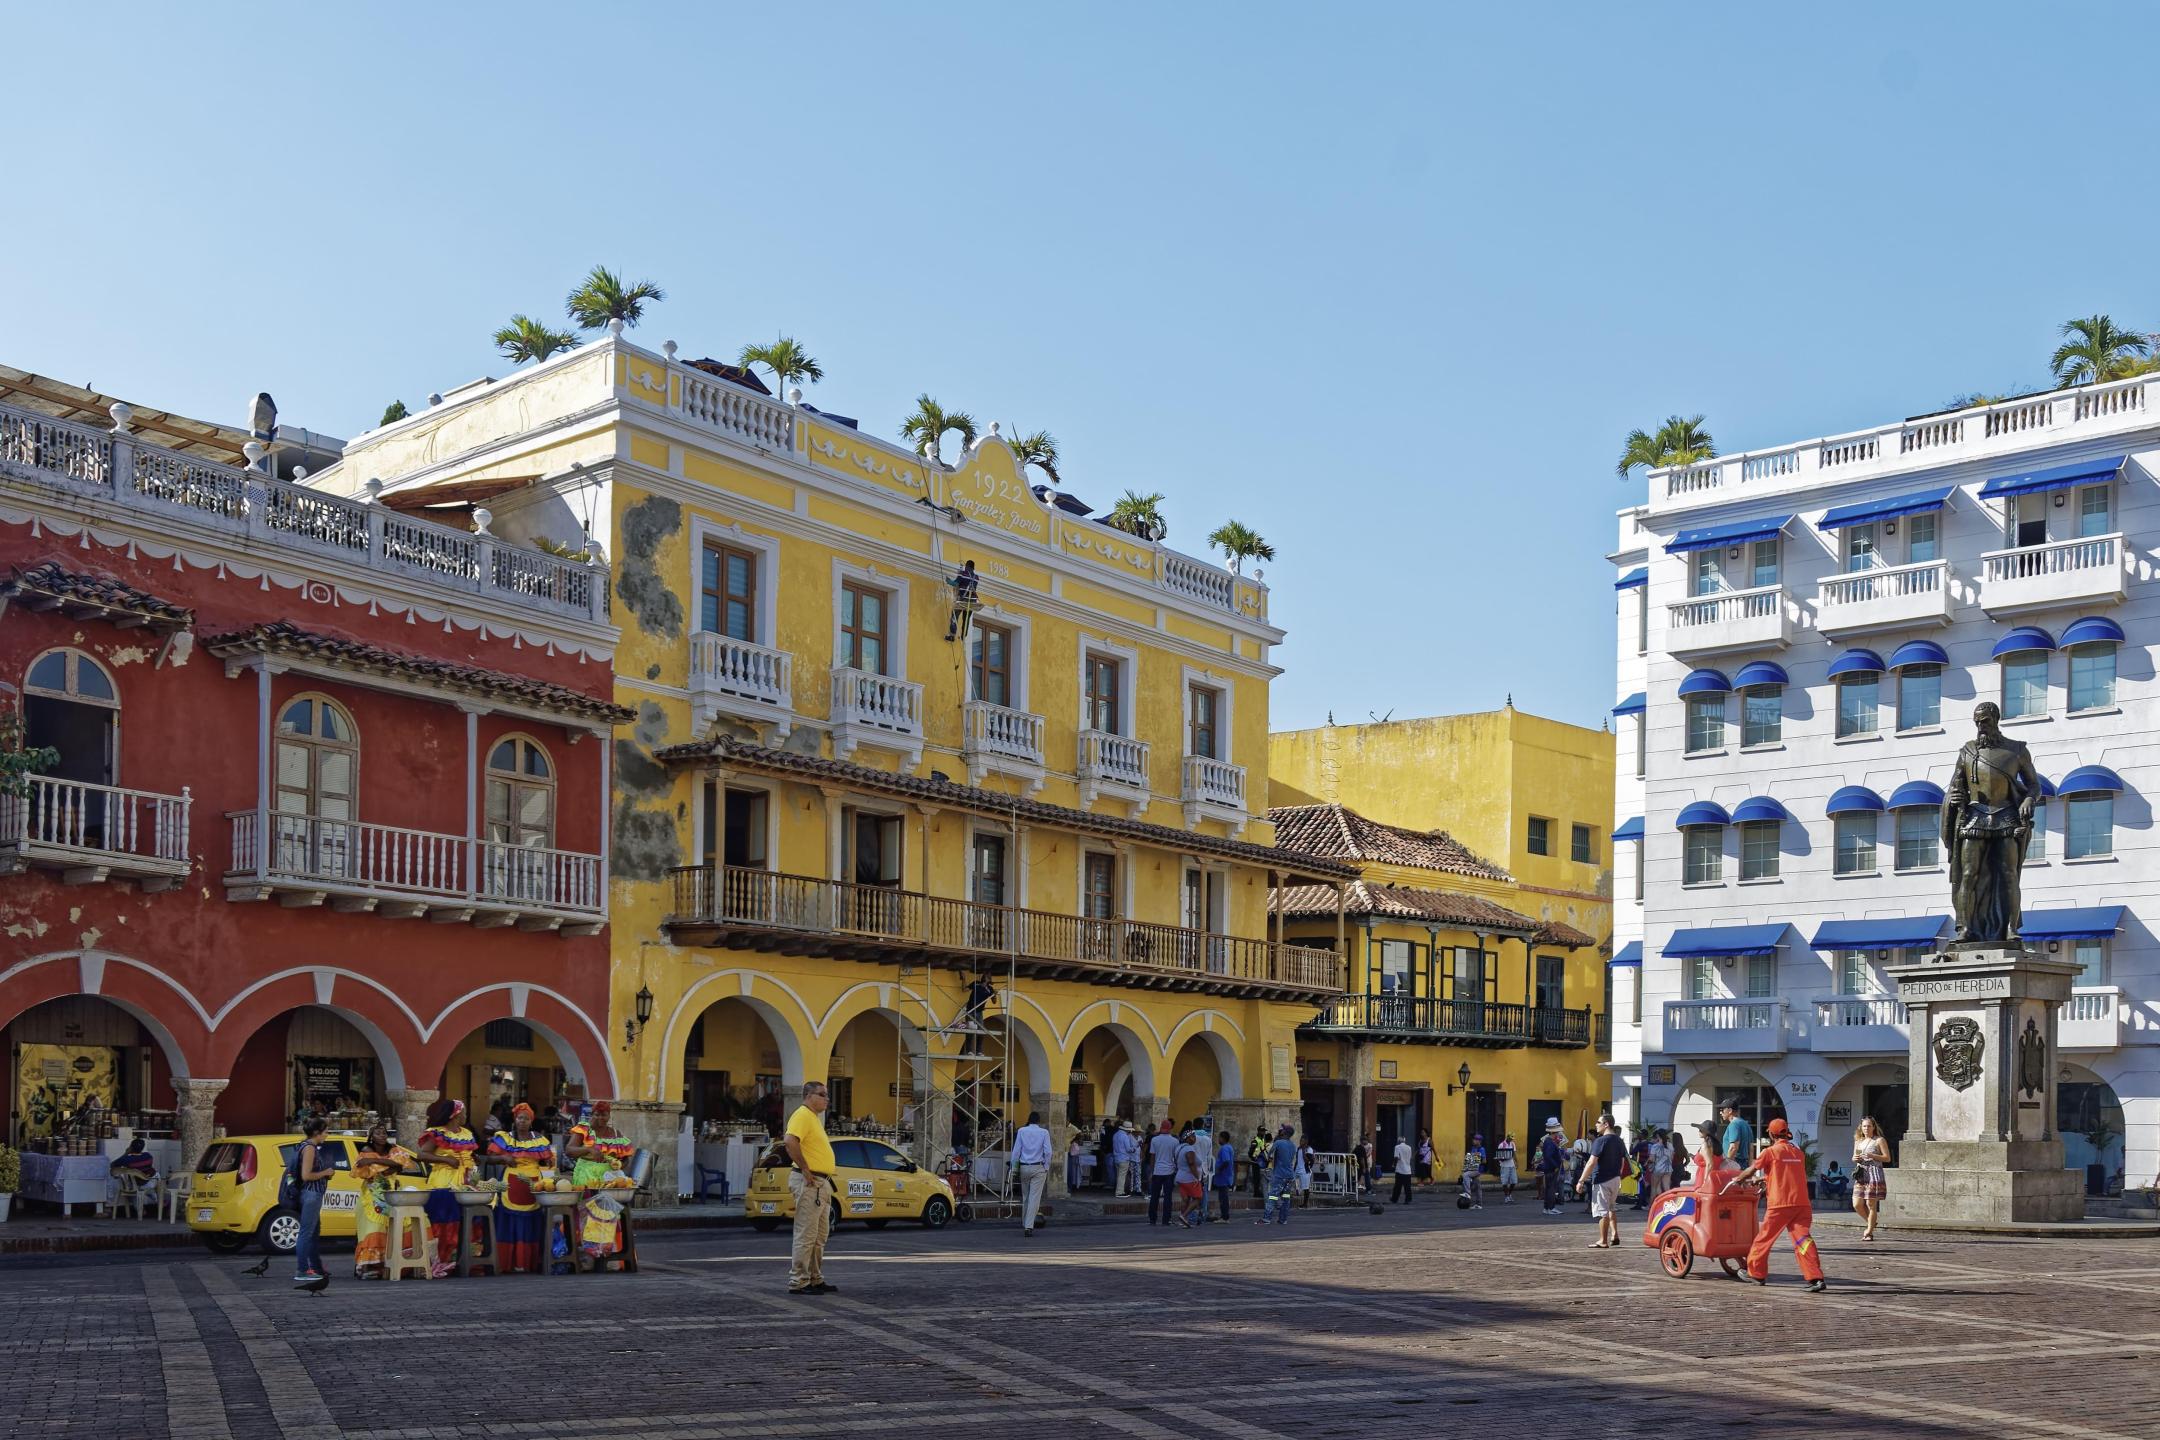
x=328, y=819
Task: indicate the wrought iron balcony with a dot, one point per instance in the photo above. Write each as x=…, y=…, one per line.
x=761, y=909
x=390, y=870
x=1487, y=1024
x=95, y=832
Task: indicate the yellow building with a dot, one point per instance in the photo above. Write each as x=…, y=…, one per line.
x=1476, y=998
x=833, y=818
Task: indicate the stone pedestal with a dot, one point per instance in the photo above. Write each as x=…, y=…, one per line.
x=655, y=1125
x=1980, y=1144
x=198, y=1118
x=1052, y=1109
x=408, y=1114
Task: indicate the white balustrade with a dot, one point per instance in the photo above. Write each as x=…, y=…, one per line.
x=1728, y=620
x=1772, y=465
x=2056, y=557
x=1693, y=479
x=1851, y=1010
x=1199, y=580
x=999, y=730
x=1113, y=759
x=73, y=819
x=2060, y=572
x=1722, y=1015
x=359, y=857
x=1214, y=782
x=880, y=702
x=540, y=878
x=161, y=481
x=1891, y=582
x=1834, y=454
x=2017, y=419
x=729, y=408
x=2093, y=1018
x=742, y=670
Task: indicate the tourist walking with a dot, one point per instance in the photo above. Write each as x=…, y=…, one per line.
x=1659, y=1180
x=1424, y=1157
x=1552, y=1167
x=1283, y=1160
x=1738, y=1142
x=1203, y=1138
x=1304, y=1172
x=1784, y=1174
x=311, y=1176
x=1473, y=1172
x=1192, y=1179
x=811, y=1185
x=1403, y=1171
x=1225, y=1176
x=1162, y=1175
x=1602, y=1171
x=1074, y=1153
x=1870, y=1183
x=1031, y=1168
x=1504, y=1157
x=1368, y=1173
x=1124, y=1157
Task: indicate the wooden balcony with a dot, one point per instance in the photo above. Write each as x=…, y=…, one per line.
x=92, y=832
x=388, y=870
x=1484, y=1024
x=748, y=909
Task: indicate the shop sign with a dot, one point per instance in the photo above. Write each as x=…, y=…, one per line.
x=1387, y=1069
x=84, y=1064
x=1660, y=1075
x=1837, y=1112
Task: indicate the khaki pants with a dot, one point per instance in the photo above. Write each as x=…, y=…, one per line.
x=1032, y=1179
x=813, y=1225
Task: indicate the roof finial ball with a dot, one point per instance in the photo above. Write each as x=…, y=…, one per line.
x=482, y=517
x=374, y=491
x=615, y=328
x=794, y=395
x=123, y=415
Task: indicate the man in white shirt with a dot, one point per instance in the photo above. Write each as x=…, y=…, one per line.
x=1124, y=1154
x=1204, y=1146
x=1162, y=1177
x=1405, y=1167
x=1031, y=1163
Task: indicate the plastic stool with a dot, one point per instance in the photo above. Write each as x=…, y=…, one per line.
x=473, y=1215
x=421, y=1262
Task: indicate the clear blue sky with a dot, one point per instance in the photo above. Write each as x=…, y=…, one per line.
x=1387, y=284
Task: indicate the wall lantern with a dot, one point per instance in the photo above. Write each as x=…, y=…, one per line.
x=1889, y=527
x=2060, y=498
x=1462, y=1079
x=632, y=1028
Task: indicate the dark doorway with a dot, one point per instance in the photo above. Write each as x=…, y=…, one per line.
x=1888, y=1104
x=1485, y=1113
x=1321, y=1115
x=1534, y=1119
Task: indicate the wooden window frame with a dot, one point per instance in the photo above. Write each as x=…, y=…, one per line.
x=718, y=597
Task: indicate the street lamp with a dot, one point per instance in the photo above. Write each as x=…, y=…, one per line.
x=1462, y=1079
x=633, y=1028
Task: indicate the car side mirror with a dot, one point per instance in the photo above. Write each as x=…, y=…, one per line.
x=909, y=1167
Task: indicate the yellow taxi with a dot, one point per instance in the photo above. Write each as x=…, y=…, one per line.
x=874, y=1182
x=235, y=1198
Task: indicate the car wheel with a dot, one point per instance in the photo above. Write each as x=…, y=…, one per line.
x=279, y=1232
x=765, y=1227
x=936, y=1212
x=222, y=1241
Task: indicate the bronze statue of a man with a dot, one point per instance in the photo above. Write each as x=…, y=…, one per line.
x=1987, y=822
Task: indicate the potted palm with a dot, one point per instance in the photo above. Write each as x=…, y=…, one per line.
x=2098, y=1134
x=10, y=1179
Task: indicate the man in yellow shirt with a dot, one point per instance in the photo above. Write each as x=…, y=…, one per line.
x=811, y=1183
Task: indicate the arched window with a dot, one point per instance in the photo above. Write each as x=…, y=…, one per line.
x=318, y=759
x=520, y=793
x=70, y=704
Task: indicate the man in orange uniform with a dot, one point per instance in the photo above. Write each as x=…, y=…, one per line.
x=1784, y=1172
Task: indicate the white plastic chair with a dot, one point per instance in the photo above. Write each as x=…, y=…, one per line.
x=173, y=1193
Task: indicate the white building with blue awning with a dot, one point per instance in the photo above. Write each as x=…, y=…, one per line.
x=1802, y=635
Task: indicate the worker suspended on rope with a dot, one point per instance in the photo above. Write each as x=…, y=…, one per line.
x=966, y=601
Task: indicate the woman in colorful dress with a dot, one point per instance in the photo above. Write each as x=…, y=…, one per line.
x=598, y=1148
x=379, y=1162
x=527, y=1156
x=1870, y=1153
x=447, y=1149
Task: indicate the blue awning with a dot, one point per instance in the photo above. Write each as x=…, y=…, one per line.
x=2047, y=788
x=2096, y=923
x=1759, y=807
x=2090, y=780
x=1632, y=830
x=1867, y=512
x=1640, y=575
x=1856, y=662
x=1760, y=672
x=1895, y=933
x=1851, y=799
x=1726, y=940
x=1628, y=954
x=2025, y=637
x=1916, y=792
x=2092, y=630
x=1635, y=704
x=2032, y=482
x=1705, y=682
x=1702, y=812
x=1918, y=652
x=1738, y=532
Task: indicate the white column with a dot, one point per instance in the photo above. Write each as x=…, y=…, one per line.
x=607, y=819
x=472, y=801
x=263, y=747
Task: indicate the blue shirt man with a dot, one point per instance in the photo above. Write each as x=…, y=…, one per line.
x=1282, y=1177
x=1739, y=1138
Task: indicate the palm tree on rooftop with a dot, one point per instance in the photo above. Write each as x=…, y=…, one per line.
x=1040, y=450
x=1679, y=441
x=1239, y=544
x=2094, y=350
x=786, y=359
x=603, y=297
x=931, y=423
x=525, y=338
x=1140, y=515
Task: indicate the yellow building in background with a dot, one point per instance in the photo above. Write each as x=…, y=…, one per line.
x=1476, y=997
x=837, y=822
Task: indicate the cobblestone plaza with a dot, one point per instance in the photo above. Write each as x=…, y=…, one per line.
x=1412, y=1324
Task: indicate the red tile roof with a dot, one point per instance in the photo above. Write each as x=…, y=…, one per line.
x=751, y=756
x=1395, y=902
x=1341, y=833
x=48, y=587
x=283, y=638
x=1555, y=932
